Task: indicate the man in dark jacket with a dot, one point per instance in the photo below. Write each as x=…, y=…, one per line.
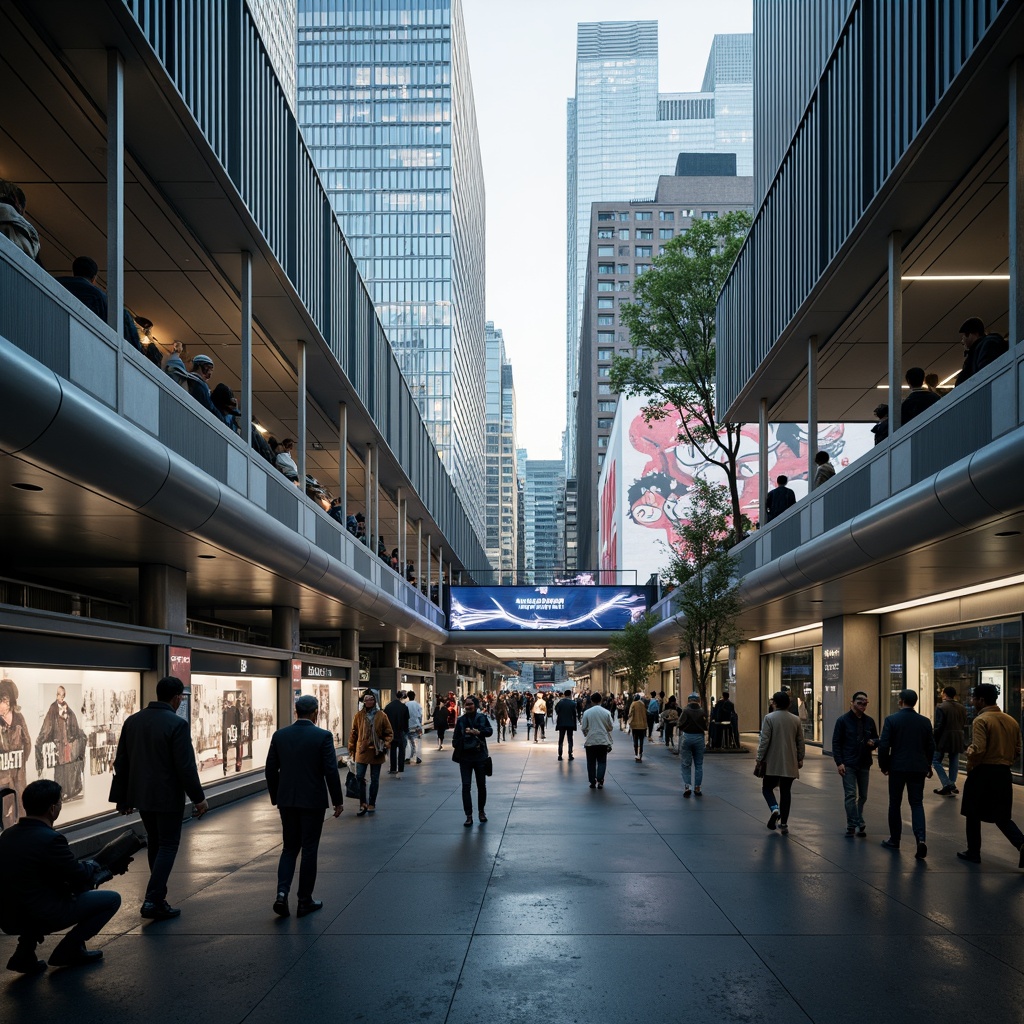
x=46, y=889
x=154, y=770
x=980, y=348
x=950, y=720
x=302, y=771
x=919, y=398
x=779, y=499
x=853, y=738
x=84, y=288
x=905, y=751
x=398, y=716
x=565, y=721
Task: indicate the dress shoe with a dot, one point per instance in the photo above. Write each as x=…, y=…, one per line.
x=559, y=757
x=159, y=911
x=482, y=817
x=309, y=907
x=890, y=844
x=973, y=858
x=74, y=954
x=945, y=791
x=593, y=785
x=850, y=833
x=571, y=758
x=25, y=961
x=922, y=850
x=862, y=833
x=419, y=760
x=281, y=905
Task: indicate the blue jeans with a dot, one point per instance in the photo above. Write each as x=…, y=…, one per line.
x=914, y=783
x=954, y=768
x=90, y=912
x=691, y=752
x=374, y=780
x=855, y=779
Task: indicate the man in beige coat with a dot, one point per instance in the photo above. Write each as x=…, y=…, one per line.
x=781, y=750
x=368, y=745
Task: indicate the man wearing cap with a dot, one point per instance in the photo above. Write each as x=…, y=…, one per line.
x=199, y=383
x=302, y=769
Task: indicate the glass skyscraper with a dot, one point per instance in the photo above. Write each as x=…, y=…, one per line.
x=622, y=134
x=501, y=542
x=275, y=21
x=385, y=102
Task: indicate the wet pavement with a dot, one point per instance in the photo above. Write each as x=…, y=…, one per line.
x=569, y=904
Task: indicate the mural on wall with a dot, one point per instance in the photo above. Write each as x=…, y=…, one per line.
x=649, y=472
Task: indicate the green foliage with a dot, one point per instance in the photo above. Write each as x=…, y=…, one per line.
x=633, y=650
x=707, y=592
x=672, y=331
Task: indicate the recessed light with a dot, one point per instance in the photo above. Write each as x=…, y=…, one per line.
x=27, y=487
x=207, y=556
x=1008, y=533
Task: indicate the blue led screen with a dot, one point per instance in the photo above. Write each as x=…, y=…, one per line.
x=566, y=608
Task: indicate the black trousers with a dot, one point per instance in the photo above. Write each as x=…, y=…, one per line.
x=562, y=734
x=398, y=745
x=597, y=762
x=163, y=834
x=301, y=828
x=467, y=771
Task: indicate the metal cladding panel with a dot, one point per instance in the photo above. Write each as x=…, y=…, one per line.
x=31, y=320
x=997, y=472
x=283, y=503
x=880, y=533
x=959, y=495
x=785, y=536
x=328, y=537
x=187, y=499
x=847, y=497
x=185, y=433
x=31, y=398
x=963, y=429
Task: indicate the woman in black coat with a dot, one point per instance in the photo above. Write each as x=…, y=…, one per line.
x=469, y=743
x=440, y=722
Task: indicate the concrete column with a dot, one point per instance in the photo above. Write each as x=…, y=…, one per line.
x=762, y=462
x=849, y=662
x=115, y=191
x=1016, y=200
x=400, y=529
x=376, y=495
x=245, y=398
x=428, y=565
x=389, y=655
x=419, y=552
x=368, y=497
x=163, y=598
x=300, y=404
x=350, y=644
x=284, y=627
x=343, y=459
x=747, y=693
x=894, y=312
x=812, y=407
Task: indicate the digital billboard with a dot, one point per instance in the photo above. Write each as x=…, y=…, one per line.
x=564, y=608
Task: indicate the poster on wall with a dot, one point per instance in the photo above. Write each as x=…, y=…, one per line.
x=328, y=715
x=649, y=471
x=63, y=724
x=232, y=722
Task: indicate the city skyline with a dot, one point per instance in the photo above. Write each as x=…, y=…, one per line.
x=530, y=119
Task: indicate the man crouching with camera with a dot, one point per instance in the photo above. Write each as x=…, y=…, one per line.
x=47, y=889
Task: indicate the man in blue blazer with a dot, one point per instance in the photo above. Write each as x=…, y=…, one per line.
x=302, y=769
x=905, y=751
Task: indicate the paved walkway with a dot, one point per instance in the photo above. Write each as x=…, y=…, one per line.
x=571, y=904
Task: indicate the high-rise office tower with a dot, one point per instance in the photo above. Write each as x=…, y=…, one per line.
x=622, y=134
x=501, y=539
x=276, y=22
x=386, y=108
x=545, y=520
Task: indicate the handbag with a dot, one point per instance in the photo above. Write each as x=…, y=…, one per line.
x=759, y=769
x=353, y=789
x=488, y=767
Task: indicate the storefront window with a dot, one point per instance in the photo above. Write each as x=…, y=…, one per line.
x=797, y=673
x=893, y=674
x=232, y=722
x=63, y=724
x=329, y=714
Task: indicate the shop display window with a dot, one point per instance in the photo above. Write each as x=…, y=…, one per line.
x=63, y=724
x=329, y=714
x=232, y=722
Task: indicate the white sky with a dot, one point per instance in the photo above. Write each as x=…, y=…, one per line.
x=523, y=58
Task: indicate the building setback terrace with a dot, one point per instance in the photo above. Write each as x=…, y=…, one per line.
x=560, y=904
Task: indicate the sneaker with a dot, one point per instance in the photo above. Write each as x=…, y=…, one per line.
x=309, y=907
x=944, y=791
x=890, y=844
x=862, y=833
x=25, y=961
x=850, y=833
x=973, y=858
x=686, y=792
x=922, y=850
x=281, y=905
x=784, y=828
x=600, y=785
x=773, y=821
x=559, y=757
x=419, y=760
x=956, y=792
x=74, y=954
x=159, y=911
x=593, y=785
x=571, y=758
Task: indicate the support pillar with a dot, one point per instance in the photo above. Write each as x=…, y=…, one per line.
x=343, y=460
x=1016, y=200
x=349, y=644
x=400, y=530
x=284, y=627
x=389, y=654
x=894, y=312
x=376, y=496
x=849, y=662
x=762, y=463
x=115, y=192
x=428, y=566
x=300, y=408
x=163, y=598
x=371, y=541
x=812, y=407
x=245, y=399
x=419, y=552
